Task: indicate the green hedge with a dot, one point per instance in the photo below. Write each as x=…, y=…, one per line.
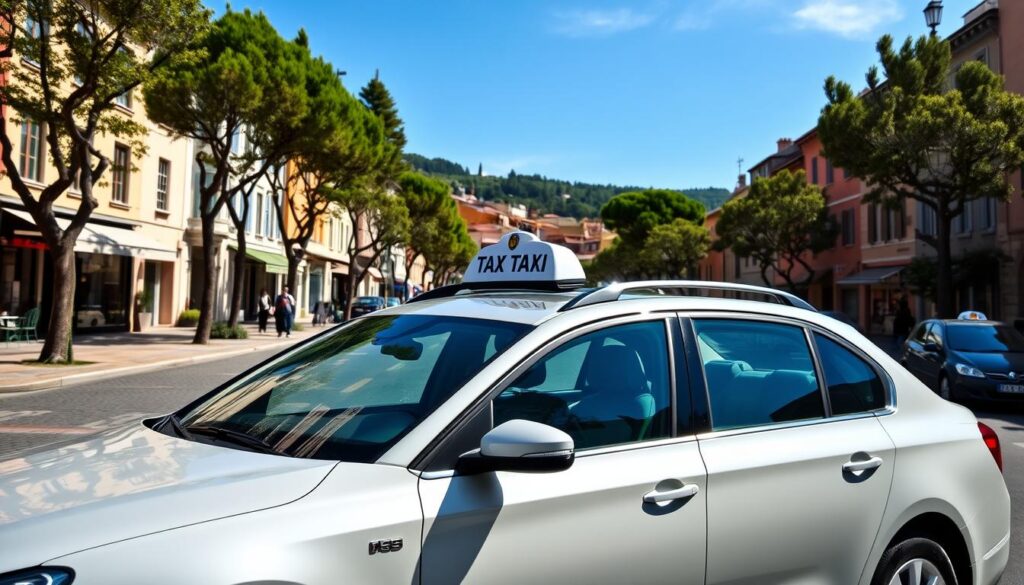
x=188, y=318
x=221, y=330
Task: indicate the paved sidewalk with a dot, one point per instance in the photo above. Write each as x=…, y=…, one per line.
x=118, y=354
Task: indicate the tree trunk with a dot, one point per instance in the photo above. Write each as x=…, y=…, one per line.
x=944, y=267
x=293, y=271
x=202, y=335
x=354, y=277
x=57, y=345
x=237, y=276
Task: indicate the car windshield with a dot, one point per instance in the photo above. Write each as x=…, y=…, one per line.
x=369, y=300
x=984, y=338
x=352, y=394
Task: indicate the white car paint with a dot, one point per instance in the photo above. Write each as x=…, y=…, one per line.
x=770, y=505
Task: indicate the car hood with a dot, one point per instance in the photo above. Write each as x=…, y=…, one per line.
x=130, y=482
x=999, y=363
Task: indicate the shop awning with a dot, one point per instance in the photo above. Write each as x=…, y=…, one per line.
x=871, y=276
x=274, y=263
x=102, y=239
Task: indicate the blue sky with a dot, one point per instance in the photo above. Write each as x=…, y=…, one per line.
x=652, y=93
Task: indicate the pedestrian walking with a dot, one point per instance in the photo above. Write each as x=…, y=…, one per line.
x=284, y=312
x=266, y=308
x=903, y=322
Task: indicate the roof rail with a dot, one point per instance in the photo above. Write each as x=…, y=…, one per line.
x=519, y=286
x=613, y=292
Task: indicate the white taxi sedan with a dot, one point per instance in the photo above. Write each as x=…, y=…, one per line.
x=515, y=429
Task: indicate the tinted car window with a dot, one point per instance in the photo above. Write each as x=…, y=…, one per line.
x=984, y=338
x=853, y=386
x=934, y=334
x=352, y=394
x=757, y=373
x=920, y=332
x=604, y=388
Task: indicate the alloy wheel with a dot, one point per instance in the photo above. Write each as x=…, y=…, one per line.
x=918, y=572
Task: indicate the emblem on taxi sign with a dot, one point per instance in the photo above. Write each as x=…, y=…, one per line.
x=1013, y=375
x=385, y=545
x=513, y=242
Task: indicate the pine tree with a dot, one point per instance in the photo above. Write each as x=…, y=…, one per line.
x=378, y=99
x=480, y=170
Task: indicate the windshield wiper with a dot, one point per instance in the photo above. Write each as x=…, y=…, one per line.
x=174, y=422
x=227, y=435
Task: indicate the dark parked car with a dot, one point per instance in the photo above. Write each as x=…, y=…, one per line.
x=364, y=305
x=967, y=360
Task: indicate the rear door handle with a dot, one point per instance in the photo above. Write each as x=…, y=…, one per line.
x=656, y=497
x=854, y=466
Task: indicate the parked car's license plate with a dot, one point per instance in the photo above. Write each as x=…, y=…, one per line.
x=1012, y=388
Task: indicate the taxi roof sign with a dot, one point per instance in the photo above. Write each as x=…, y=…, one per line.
x=521, y=257
x=973, y=316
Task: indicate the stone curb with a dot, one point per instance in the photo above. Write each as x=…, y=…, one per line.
x=73, y=379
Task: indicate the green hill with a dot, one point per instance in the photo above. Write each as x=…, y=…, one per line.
x=547, y=195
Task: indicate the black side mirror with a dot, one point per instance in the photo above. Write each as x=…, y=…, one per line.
x=931, y=347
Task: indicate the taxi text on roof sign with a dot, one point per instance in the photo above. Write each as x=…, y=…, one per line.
x=522, y=257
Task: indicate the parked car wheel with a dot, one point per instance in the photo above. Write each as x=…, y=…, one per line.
x=945, y=390
x=915, y=561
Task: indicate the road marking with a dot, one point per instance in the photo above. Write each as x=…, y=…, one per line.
x=1021, y=445
x=42, y=430
x=6, y=415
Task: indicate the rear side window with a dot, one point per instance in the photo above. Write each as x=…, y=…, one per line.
x=920, y=332
x=757, y=373
x=853, y=385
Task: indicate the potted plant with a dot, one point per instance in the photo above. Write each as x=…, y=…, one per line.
x=143, y=310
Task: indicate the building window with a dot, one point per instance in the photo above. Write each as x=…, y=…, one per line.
x=259, y=214
x=163, y=181
x=249, y=213
x=268, y=230
x=849, y=227
x=988, y=214
x=31, y=166
x=122, y=167
x=830, y=172
x=814, y=170
x=872, y=223
x=236, y=141
x=962, y=222
x=124, y=100
x=927, y=222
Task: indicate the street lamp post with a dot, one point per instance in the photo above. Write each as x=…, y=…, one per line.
x=933, y=15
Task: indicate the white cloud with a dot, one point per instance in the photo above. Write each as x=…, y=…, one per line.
x=847, y=18
x=588, y=23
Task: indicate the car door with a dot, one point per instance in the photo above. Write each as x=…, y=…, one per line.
x=613, y=389
x=799, y=469
x=933, y=354
x=912, y=357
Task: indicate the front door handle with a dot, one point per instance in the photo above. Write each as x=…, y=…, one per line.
x=865, y=465
x=656, y=497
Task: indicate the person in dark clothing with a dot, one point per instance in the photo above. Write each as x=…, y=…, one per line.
x=903, y=322
x=284, y=312
x=264, y=309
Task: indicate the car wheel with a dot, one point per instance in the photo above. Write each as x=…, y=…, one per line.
x=915, y=561
x=945, y=390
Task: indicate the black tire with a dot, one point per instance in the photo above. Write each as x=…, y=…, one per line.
x=904, y=552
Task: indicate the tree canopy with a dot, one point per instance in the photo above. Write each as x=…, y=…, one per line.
x=941, y=137
x=633, y=215
x=778, y=224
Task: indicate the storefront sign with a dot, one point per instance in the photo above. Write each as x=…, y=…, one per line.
x=27, y=243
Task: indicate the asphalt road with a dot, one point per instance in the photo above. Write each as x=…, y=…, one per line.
x=36, y=418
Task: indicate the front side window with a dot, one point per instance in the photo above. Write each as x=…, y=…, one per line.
x=853, y=385
x=353, y=394
x=757, y=373
x=605, y=388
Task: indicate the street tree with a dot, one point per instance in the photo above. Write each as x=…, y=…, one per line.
x=430, y=209
x=781, y=221
x=338, y=150
x=85, y=57
x=633, y=216
x=673, y=249
x=245, y=77
x=927, y=133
